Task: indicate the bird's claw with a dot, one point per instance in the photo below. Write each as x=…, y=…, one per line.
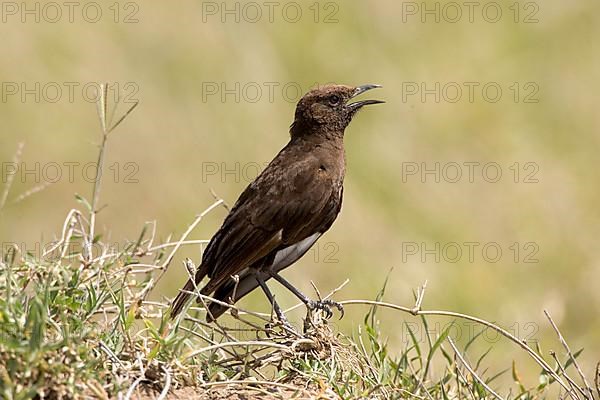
x=325, y=306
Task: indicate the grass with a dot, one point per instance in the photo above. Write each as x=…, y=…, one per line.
x=75, y=325
x=76, y=322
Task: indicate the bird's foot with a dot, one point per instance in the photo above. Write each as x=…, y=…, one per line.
x=325, y=306
x=280, y=321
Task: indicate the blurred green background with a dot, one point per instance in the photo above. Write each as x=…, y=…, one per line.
x=183, y=138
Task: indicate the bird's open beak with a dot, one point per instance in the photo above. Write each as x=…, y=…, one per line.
x=359, y=90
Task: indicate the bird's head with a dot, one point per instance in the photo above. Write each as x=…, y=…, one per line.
x=329, y=109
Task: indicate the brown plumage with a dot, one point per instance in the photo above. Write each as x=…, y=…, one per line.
x=282, y=213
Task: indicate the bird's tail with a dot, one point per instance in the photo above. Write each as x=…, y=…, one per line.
x=182, y=298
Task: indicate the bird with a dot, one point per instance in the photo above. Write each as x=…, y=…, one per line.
x=284, y=211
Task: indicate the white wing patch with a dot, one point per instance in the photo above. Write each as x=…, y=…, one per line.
x=290, y=254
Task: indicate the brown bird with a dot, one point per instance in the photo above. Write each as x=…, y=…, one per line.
x=285, y=210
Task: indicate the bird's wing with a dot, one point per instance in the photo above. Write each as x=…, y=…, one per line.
x=280, y=208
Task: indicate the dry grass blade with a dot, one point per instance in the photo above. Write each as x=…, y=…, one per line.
x=257, y=382
x=239, y=344
x=9, y=180
x=590, y=393
x=163, y=268
x=120, y=120
x=471, y=371
x=34, y=190
x=10, y=177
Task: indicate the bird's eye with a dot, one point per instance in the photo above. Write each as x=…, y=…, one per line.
x=334, y=100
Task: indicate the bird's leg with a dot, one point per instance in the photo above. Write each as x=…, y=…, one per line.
x=280, y=315
x=324, y=305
